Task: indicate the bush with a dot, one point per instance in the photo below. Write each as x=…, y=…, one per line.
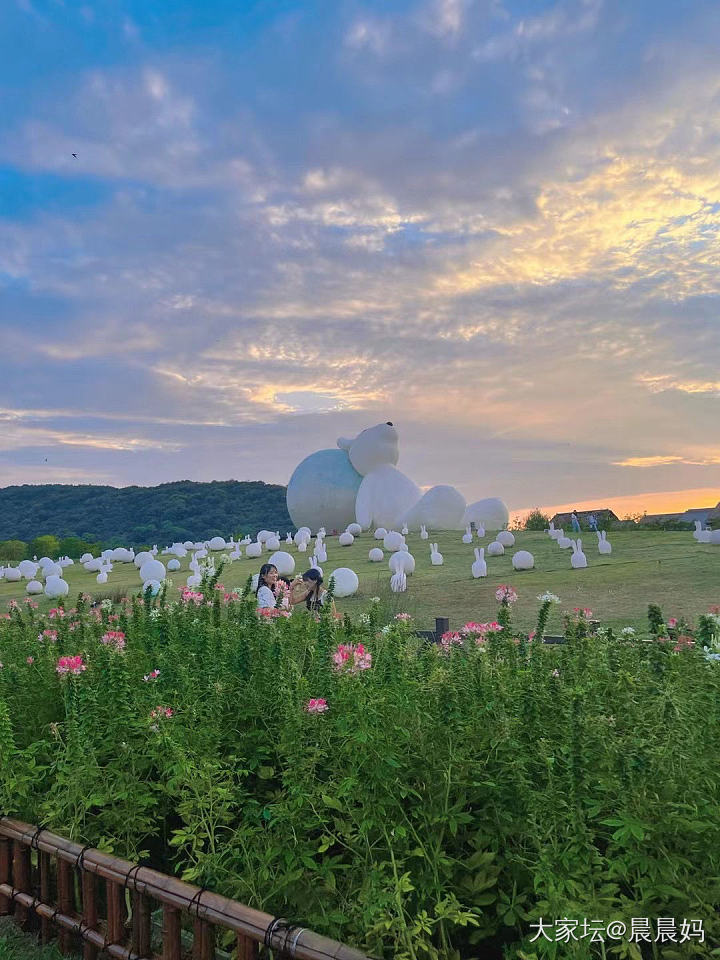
x=537, y=520
x=13, y=550
x=45, y=546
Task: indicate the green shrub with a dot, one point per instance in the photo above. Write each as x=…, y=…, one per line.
x=536, y=520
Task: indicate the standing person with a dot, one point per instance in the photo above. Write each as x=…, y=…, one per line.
x=575, y=522
x=265, y=591
x=592, y=522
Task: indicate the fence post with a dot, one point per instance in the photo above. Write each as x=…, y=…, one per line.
x=442, y=625
x=171, y=943
x=21, y=878
x=65, y=898
x=141, y=924
x=5, y=902
x=89, y=911
x=203, y=940
x=115, y=901
x=247, y=949
x=46, y=927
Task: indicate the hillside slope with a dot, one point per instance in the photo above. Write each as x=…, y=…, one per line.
x=128, y=515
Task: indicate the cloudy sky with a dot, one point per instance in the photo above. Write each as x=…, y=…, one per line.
x=493, y=222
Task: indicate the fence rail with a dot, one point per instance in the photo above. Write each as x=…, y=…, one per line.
x=82, y=891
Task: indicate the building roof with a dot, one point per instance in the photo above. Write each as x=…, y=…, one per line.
x=599, y=514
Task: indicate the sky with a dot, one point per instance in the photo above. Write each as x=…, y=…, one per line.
x=493, y=222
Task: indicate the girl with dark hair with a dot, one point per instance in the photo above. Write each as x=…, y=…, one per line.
x=265, y=590
x=308, y=590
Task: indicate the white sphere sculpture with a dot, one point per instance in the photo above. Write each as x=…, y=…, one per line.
x=284, y=562
x=28, y=569
x=355, y=529
x=188, y=545
x=505, y=538
x=122, y=555
x=376, y=555
x=141, y=557
x=393, y=541
x=346, y=581
x=34, y=586
x=402, y=561
x=491, y=513
x=152, y=570
x=12, y=574
x=272, y=543
x=523, y=560
x=303, y=535
x=264, y=535
x=323, y=489
x=217, y=543
x=173, y=564
x=346, y=539
x=564, y=543
x=94, y=565
x=56, y=587
x=380, y=533
x=85, y=557
x=495, y=549
x=441, y=508
x=254, y=550
x=714, y=536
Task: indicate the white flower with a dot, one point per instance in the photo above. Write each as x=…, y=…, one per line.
x=374, y=599
x=386, y=630
x=628, y=631
x=155, y=614
x=364, y=618
x=548, y=597
x=106, y=604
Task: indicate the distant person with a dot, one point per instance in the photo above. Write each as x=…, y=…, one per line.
x=265, y=591
x=575, y=523
x=309, y=590
x=592, y=523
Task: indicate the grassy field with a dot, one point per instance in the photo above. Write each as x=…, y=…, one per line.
x=16, y=945
x=667, y=568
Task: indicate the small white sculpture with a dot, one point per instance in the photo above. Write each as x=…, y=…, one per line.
x=56, y=587
x=254, y=549
x=564, y=542
x=380, y=533
x=346, y=539
x=479, y=568
x=12, y=574
x=217, y=543
x=398, y=582
x=284, y=562
x=604, y=545
x=173, y=564
x=393, y=541
x=495, y=549
x=436, y=558
x=467, y=537
x=523, y=560
x=102, y=577
x=28, y=569
x=404, y=530
x=194, y=580
x=272, y=543
x=346, y=581
x=34, y=586
x=153, y=586
x=139, y=558
x=714, y=536
x=505, y=538
x=355, y=529
x=263, y=535
x=480, y=530
x=402, y=560
x=423, y=533
x=85, y=557
x=302, y=546
x=189, y=545
x=92, y=566
x=321, y=553
x=288, y=538
x=152, y=570
x=376, y=555
x=578, y=560
x=314, y=565
x=551, y=530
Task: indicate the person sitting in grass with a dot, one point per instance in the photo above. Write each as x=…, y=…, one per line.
x=308, y=590
x=265, y=590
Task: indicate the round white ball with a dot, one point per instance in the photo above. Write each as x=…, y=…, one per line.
x=505, y=538
x=152, y=570
x=28, y=568
x=402, y=562
x=56, y=587
x=346, y=581
x=380, y=533
x=173, y=564
x=376, y=555
x=523, y=560
x=92, y=566
x=34, y=587
x=355, y=529
x=84, y=558
x=254, y=550
x=217, y=543
x=346, y=539
x=495, y=549
x=272, y=543
x=284, y=562
x=393, y=541
x=12, y=574
x=102, y=577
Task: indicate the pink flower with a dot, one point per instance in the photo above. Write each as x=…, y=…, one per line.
x=113, y=618
x=672, y=623
x=585, y=612
x=449, y=639
x=316, y=705
x=159, y=713
x=403, y=616
x=531, y=636
x=49, y=635
x=191, y=596
x=72, y=665
x=153, y=675
x=714, y=609
x=30, y=660
x=683, y=643
x=56, y=612
x=505, y=594
x=349, y=658
x=115, y=639
x=269, y=613
x=31, y=603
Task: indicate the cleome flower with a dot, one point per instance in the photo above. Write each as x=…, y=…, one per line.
x=316, y=705
x=56, y=612
x=114, y=639
x=72, y=665
x=49, y=636
x=161, y=713
x=349, y=658
x=505, y=594
x=683, y=643
x=548, y=597
x=403, y=616
x=153, y=675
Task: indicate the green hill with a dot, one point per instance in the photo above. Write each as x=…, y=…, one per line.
x=183, y=510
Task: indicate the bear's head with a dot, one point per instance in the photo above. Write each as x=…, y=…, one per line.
x=372, y=448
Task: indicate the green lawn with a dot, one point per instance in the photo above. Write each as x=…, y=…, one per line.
x=667, y=568
x=16, y=945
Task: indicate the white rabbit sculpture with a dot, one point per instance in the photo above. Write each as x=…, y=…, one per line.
x=321, y=553
x=398, y=582
x=480, y=530
x=604, y=545
x=562, y=541
x=314, y=565
x=578, y=560
x=436, y=558
x=404, y=530
x=467, y=536
x=479, y=568
x=302, y=546
x=423, y=533
x=288, y=538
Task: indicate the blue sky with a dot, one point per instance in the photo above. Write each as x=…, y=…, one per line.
x=494, y=223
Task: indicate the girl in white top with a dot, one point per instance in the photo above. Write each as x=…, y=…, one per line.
x=267, y=578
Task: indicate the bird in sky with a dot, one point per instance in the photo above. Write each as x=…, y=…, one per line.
x=75, y=155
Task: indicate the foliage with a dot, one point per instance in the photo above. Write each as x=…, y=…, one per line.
x=446, y=799
x=13, y=550
x=119, y=516
x=536, y=520
x=46, y=546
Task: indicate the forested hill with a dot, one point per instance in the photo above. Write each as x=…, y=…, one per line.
x=138, y=515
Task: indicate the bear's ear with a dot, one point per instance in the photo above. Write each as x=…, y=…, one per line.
x=345, y=442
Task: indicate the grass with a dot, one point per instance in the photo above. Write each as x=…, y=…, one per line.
x=16, y=945
x=663, y=567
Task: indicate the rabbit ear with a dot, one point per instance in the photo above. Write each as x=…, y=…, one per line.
x=579, y=545
x=477, y=553
x=482, y=552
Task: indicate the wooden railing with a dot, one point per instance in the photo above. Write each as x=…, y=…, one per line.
x=84, y=893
